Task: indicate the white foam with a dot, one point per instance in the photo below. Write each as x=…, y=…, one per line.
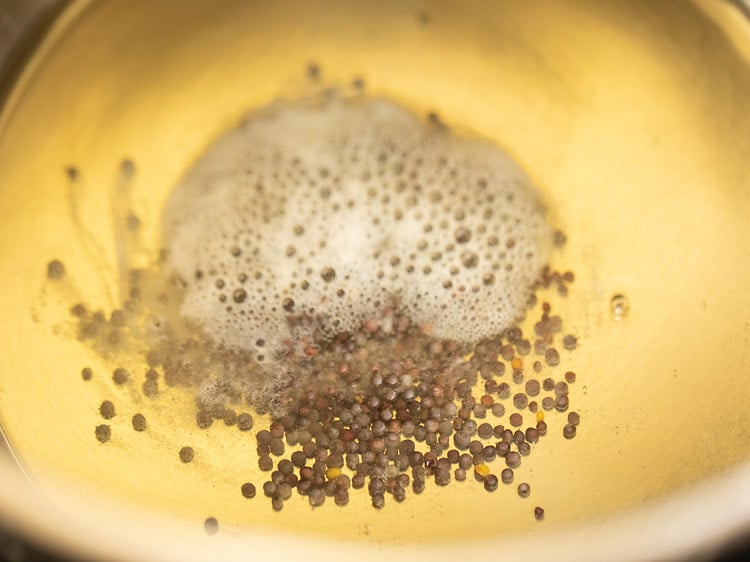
x=364, y=180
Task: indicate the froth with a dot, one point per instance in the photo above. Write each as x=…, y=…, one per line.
x=309, y=220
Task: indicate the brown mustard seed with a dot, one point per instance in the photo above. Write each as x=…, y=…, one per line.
x=187, y=454
x=107, y=410
x=204, y=419
x=552, y=357
x=513, y=459
x=120, y=375
x=506, y=476
x=244, y=422
x=150, y=388
x=538, y=513
x=265, y=463
x=211, y=526
x=569, y=431
x=570, y=377
x=498, y=410
x=230, y=417
x=139, y=422
x=541, y=427
x=248, y=490
x=103, y=433
x=490, y=482
x=570, y=341
x=524, y=490
x=55, y=270
x=86, y=373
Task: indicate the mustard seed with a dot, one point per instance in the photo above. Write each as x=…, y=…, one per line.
x=120, y=376
x=248, y=490
x=569, y=431
x=341, y=497
x=211, y=525
x=484, y=430
x=417, y=487
x=378, y=500
x=86, y=373
x=265, y=463
x=230, y=417
x=139, y=422
x=187, y=454
x=490, y=482
x=513, y=459
x=561, y=403
x=538, y=513
x=524, y=490
x=244, y=422
x=532, y=387
x=107, y=410
x=503, y=390
x=103, y=433
x=506, y=476
x=203, y=419
x=55, y=270
x=552, y=357
x=498, y=410
x=150, y=388
x=269, y=489
x=520, y=400
x=570, y=341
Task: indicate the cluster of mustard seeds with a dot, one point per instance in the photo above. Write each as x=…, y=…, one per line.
x=363, y=277
x=388, y=409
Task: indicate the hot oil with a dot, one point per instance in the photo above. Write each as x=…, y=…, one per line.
x=638, y=155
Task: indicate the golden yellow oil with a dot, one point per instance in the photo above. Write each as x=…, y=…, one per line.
x=630, y=115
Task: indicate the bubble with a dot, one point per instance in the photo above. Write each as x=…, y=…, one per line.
x=469, y=259
x=619, y=306
x=328, y=274
x=321, y=229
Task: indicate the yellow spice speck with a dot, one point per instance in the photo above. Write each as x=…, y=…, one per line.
x=482, y=470
x=333, y=472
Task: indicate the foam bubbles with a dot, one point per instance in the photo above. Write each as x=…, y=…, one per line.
x=311, y=219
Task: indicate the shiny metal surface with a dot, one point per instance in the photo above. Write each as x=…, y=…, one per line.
x=631, y=115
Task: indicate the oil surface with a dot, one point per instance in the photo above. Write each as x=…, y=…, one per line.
x=629, y=115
